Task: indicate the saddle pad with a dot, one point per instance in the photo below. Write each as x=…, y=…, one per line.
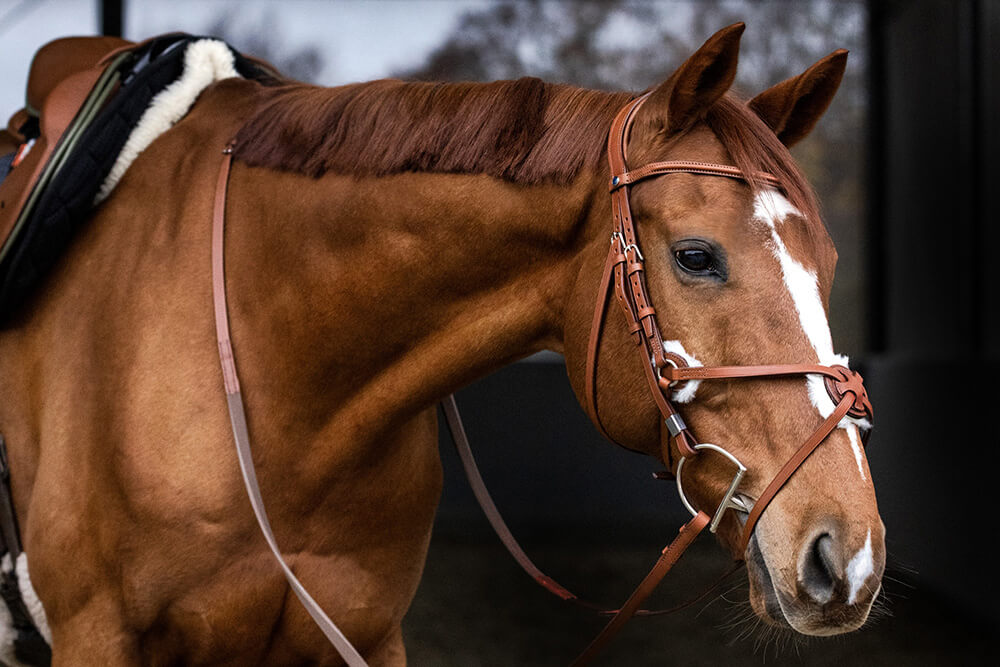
x=5, y=162
x=65, y=200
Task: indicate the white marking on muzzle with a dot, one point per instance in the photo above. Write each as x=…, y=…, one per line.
x=861, y=566
x=771, y=208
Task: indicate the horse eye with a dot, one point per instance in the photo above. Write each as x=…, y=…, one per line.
x=695, y=260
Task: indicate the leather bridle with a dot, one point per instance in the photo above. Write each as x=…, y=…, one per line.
x=624, y=270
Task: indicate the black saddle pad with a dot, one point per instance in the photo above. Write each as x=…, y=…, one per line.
x=5, y=162
x=66, y=202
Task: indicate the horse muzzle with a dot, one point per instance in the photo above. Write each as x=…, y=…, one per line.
x=829, y=592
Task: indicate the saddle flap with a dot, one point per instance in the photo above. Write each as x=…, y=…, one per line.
x=58, y=111
x=16, y=187
x=62, y=58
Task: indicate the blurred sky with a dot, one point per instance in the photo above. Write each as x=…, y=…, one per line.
x=359, y=40
x=26, y=25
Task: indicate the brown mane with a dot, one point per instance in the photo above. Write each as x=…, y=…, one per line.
x=525, y=131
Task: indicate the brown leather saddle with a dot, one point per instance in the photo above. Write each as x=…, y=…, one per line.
x=53, y=64
x=63, y=77
x=84, y=96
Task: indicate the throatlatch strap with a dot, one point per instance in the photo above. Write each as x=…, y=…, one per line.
x=237, y=416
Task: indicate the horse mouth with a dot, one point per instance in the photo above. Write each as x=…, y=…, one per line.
x=792, y=612
x=763, y=595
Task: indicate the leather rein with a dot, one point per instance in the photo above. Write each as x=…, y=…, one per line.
x=624, y=272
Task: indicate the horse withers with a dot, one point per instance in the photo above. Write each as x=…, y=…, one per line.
x=387, y=243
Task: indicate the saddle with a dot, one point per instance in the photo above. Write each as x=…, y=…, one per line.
x=84, y=97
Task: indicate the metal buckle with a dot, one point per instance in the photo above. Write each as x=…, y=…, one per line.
x=659, y=375
x=727, y=498
x=638, y=253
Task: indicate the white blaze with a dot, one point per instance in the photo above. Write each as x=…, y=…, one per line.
x=771, y=208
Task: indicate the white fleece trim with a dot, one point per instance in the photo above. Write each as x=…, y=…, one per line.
x=31, y=602
x=687, y=390
x=205, y=62
x=771, y=209
x=7, y=632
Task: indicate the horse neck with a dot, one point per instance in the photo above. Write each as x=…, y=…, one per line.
x=371, y=298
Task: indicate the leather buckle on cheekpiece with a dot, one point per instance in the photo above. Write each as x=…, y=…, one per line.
x=849, y=382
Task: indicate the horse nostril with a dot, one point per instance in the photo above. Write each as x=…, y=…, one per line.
x=822, y=571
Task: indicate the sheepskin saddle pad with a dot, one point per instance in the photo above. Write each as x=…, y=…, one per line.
x=93, y=105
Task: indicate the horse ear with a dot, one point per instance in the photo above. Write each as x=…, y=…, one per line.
x=793, y=107
x=703, y=78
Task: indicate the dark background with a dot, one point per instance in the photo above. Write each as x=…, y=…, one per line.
x=918, y=221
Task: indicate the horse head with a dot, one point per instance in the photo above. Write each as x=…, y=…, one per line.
x=739, y=274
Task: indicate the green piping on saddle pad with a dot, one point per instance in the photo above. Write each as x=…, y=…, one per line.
x=103, y=90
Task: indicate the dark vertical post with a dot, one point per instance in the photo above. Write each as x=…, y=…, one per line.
x=935, y=381
x=875, y=224
x=112, y=16
x=989, y=174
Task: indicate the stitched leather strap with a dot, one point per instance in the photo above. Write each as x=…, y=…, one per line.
x=454, y=421
x=688, y=167
x=791, y=466
x=237, y=417
x=668, y=558
x=625, y=268
x=461, y=440
x=594, y=342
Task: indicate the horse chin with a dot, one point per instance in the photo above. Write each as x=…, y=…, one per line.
x=783, y=610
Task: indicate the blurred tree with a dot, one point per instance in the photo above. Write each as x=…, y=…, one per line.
x=303, y=64
x=634, y=44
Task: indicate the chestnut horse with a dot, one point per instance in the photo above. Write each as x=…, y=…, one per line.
x=388, y=243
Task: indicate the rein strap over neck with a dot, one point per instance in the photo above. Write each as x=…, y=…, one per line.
x=238, y=419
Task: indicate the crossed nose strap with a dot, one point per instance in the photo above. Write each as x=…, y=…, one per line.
x=845, y=387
